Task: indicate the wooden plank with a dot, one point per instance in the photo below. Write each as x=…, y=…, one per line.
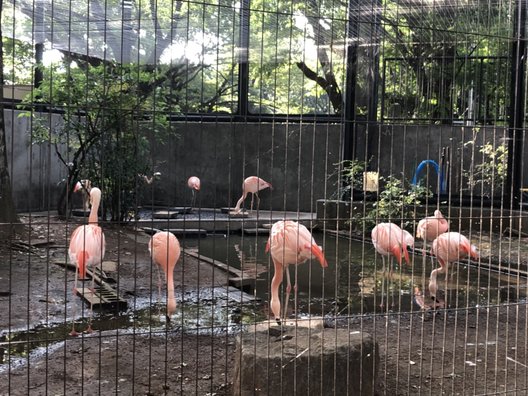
x=165, y=214
x=241, y=282
x=177, y=231
x=37, y=242
x=235, y=271
x=234, y=294
x=103, y=296
x=150, y=230
x=256, y=231
x=199, y=232
x=184, y=209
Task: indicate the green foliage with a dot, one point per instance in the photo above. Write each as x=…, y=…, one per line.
x=351, y=175
x=18, y=60
x=488, y=176
x=108, y=115
x=396, y=202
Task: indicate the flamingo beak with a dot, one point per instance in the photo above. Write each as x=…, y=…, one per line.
x=77, y=187
x=267, y=246
x=406, y=254
x=318, y=253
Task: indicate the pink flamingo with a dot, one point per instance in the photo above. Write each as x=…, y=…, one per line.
x=431, y=227
x=87, y=247
x=253, y=185
x=449, y=247
x=290, y=243
x=194, y=185
x=165, y=251
x=390, y=240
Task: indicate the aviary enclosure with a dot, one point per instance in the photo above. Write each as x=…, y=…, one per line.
x=263, y=197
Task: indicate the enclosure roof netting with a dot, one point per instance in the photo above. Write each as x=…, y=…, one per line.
x=111, y=30
x=130, y=31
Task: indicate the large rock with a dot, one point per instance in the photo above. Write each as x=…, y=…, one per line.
x=305, y=361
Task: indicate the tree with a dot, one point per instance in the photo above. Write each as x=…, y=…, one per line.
x=109, y=110
x=8, y=215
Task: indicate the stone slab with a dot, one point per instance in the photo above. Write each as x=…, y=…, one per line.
x=284, y=360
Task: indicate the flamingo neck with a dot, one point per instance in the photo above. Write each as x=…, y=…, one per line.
x=92, y=219
x=275, y=284
x=171, y=299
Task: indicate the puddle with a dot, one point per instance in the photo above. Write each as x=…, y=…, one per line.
x=354, y=282
x=210, y=311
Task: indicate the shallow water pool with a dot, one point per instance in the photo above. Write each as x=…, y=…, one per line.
x=355, y=282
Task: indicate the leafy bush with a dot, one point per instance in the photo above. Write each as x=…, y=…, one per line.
x=351, y=175
x=396, y=202
x=490, y=175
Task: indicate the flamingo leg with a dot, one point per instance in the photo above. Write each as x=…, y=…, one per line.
x=382, y=282
x=252, y=198
x=193, y=200
x=159, y=284
x=390, y=283
x=288, y=290
x=92, y=291
x=275, y=283
x=73, y=332
x=258, y=201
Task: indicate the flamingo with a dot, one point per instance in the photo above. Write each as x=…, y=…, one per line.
x=389, y=239
x=449, y=247
x=194, y=185
x=431, y=227
x=165, y=251
x=289, y=243
x=87, y=247
x=151, y=179
x=253, y=185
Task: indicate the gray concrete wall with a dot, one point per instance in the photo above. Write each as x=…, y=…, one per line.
x=297, y=159
x=35, y=169
x=397, y=150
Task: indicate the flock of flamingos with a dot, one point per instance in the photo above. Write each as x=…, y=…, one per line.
x=289, y=243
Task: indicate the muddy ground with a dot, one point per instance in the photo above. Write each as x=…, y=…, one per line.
x=481, y=350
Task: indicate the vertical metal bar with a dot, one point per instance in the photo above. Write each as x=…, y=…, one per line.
x=517, y=108
x=352, y=39
x=243, y=61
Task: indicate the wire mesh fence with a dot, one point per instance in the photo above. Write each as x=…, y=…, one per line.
x=253, y=197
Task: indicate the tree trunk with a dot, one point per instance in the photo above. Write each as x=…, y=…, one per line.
x=8, y=215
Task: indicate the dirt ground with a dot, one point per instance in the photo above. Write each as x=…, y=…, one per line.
x=480, y=350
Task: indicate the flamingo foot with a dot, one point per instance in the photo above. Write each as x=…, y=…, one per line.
x=278, y=321
x=89, y=330
x=73, y=333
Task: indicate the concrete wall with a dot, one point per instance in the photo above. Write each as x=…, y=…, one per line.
x=298, y=160
x=397, y=150
x=35, y=169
